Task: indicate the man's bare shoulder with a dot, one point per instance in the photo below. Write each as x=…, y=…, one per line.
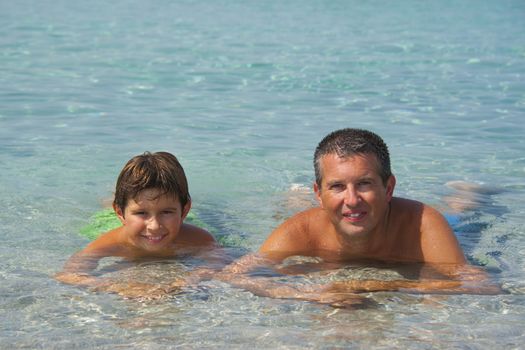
x=297, y=234
x=407, y=206
x=304, y=217
x=301, y=225
x=414, y=207
x=424, y=224
x=425, y=214
x=410, y=215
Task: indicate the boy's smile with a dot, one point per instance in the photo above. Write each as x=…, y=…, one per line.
x=152, y=221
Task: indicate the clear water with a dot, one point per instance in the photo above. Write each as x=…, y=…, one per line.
x=241, y=92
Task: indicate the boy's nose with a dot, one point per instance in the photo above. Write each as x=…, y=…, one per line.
x=153, y=223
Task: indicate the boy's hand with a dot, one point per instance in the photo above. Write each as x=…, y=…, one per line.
x=76, y=278
x=142, y=291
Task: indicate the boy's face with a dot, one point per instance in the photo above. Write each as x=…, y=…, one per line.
x=152, y=221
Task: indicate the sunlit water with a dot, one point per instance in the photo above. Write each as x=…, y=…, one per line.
x=241, y=92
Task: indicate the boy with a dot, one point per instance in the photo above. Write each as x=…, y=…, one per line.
x=151, y=201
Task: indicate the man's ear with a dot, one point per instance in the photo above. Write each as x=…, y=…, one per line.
x=317, y=190
x=119, y=212
x=390, y=185
x=186, y=209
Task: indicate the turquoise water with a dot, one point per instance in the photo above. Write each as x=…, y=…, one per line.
x=241, y=92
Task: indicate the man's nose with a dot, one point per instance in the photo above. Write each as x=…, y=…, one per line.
x=351, y=197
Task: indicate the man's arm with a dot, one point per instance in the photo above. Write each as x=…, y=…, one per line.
x=291, y=238
x=243, y=274
x=440, y=248
x=459, y=279
x=442, y=255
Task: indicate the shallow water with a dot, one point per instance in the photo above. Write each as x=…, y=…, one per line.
x=242, y=92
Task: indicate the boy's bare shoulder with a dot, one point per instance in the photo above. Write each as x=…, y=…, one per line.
x=109, y=243
x=195, y=235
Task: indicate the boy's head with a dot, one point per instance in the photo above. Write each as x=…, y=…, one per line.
x=160, y=170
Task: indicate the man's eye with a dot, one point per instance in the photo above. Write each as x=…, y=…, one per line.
x=337, y=187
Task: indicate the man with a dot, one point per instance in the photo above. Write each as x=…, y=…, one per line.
x=358, y=216
x=360, y=220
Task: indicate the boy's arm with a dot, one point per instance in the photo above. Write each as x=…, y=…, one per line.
x=78, y=268
x=78, y=271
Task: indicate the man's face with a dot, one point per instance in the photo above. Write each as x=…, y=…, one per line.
x=353, y=194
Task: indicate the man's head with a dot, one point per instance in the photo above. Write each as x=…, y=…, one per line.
x=160, y=170
x=350, y=142
x=354, y=184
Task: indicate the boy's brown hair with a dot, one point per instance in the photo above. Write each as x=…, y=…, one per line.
x=160, y=170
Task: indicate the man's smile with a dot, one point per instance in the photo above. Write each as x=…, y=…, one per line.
x=354, y=216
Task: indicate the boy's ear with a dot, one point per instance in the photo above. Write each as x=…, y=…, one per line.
x=119, y=212
x=186, y=209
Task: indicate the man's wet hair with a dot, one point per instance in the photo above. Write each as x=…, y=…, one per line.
x=349, y=142
x=160, y=170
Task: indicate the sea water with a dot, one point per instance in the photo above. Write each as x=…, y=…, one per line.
x=241, y=92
